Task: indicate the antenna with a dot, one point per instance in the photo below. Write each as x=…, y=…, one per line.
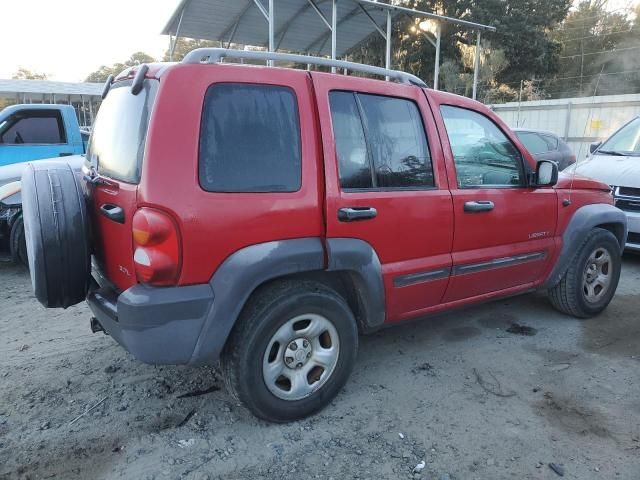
x=567, y=201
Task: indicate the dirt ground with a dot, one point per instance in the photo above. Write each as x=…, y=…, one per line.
x=499, y=391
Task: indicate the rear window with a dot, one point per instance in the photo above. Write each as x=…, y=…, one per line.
x=250, y=139
x=116, y=146
x=535, y=143
x=40, y=127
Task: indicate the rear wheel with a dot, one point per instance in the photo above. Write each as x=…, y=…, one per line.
x=17, y=244
x=591, y=280
x=291, y=351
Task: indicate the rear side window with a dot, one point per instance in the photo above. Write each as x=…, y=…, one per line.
x=535, y=143
x=116, y=145
x=250, y=139
x=380, y=142
x=40, y=127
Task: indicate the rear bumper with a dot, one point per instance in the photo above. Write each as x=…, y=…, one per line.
x=156, y=325
x=633, y=225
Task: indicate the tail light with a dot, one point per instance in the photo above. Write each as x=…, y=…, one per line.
x=156, y=247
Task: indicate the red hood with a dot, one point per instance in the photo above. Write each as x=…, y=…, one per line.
x=578, y=182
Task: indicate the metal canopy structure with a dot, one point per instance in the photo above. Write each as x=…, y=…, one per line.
x=313, y=27
x=85, y=97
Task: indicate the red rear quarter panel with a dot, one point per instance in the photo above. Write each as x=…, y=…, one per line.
x=215, y=225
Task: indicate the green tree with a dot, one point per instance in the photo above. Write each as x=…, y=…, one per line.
x=104, y=71
x=523, y=40
x=185, y=45
x=599, y=49
x=26, y=74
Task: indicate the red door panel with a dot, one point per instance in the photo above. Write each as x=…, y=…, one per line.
x=413, y=230
x=512, y=243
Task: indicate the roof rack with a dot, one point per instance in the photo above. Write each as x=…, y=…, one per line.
x=214, y=55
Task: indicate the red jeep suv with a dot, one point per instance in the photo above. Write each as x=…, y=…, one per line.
x=265, y=217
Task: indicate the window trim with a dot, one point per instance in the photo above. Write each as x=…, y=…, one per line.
x=525, y=169
x=37, y=113
x=365, y=128
x=299, y=130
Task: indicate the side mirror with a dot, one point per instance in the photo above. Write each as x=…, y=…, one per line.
x=546, y=174
x=594, y=146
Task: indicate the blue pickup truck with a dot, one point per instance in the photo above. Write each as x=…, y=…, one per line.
x=33, y=132
x=28, y=133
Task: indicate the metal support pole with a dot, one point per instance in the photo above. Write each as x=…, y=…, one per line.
x=91, y=111
x=271, y=30
x=387, y=59
x=436, y=70
x=519, y=104
x=334, y=31
x=567, y=122
x=175, y=40
x=476, y=67
x=84, y=112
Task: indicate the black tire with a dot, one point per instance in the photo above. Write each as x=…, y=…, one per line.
x=17, y=243
x=57, y=234
x=569, y=295
x=266, y=311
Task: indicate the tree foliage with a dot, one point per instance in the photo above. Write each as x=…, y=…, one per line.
x=522, y=46
x=26, y=74
x=104, y=71
x=185, y=45
x=600, y=49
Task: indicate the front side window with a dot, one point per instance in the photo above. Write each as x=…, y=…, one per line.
x=483, y=155
x=380, y=142
x=250, y=139
x=41, y=128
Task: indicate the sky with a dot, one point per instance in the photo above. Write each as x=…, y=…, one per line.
x=68, y=39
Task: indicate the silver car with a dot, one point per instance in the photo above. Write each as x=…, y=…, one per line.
x=616, y=161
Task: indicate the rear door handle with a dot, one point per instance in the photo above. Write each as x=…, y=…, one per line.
x=112, y=212
x=351, y=214
x=478, y=206
x=65, y=154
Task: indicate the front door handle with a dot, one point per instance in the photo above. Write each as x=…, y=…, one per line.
x=351, y=214
x=112, y=212
x=65, y=154
x=478, y=206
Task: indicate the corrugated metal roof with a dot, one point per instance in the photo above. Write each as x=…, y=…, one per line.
x=297, y=26
x=48, y=87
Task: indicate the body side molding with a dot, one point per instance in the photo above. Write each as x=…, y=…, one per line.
x=584, y=219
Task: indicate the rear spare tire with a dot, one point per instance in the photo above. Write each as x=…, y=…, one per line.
x=57, y=234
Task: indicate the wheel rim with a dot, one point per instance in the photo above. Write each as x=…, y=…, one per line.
x=597, y=276
x=300, y=357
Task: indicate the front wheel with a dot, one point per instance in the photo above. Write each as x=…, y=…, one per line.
x=591, y=280
x=291, y=351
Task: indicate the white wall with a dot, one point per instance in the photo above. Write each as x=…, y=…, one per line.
x=579, y=121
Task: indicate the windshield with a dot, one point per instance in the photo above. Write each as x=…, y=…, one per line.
x=116, y=146
x=625, y=141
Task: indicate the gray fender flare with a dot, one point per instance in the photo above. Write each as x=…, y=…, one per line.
x=584, y=219
x=359, y=259
x=239, y=275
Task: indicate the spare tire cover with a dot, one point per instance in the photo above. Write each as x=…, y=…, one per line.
x=57, y=233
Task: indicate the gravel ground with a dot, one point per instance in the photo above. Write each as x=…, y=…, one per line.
x=498, y=391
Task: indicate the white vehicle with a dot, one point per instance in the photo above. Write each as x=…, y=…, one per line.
x=616, y=161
